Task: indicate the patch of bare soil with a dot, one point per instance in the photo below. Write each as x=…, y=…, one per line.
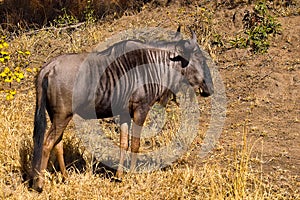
x=273, y=88
x=263, y=92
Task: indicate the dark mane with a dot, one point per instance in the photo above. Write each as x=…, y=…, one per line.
x=122, y=45
x=119, y=48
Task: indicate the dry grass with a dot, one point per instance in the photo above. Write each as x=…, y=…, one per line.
x=233, y=174
x=218, y=178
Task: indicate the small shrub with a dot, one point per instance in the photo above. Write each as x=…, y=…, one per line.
x=89, y=13
x=259, y=25
x=65, y=19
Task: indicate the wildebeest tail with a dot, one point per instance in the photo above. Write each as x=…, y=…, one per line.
x=40, y=122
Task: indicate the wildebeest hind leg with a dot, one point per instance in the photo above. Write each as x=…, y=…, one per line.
x=59, y=152
x=52, y=138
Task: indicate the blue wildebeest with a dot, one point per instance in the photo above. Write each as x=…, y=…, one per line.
x=126, y=80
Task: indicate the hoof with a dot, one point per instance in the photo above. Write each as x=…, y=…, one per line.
x=116, y=180
x=37, y=189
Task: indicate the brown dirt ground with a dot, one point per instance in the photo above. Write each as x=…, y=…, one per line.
x=271, y=84
x=264, y=91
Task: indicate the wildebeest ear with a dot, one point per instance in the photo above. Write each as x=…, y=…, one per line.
x=178, y=58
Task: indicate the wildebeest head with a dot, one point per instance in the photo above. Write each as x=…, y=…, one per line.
x=193, y=62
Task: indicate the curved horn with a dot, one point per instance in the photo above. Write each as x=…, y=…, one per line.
x=178, y=35
x=178, y=29
x=192, y=43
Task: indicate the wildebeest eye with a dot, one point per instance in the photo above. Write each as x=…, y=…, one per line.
x=197, y=50
x=197, y=54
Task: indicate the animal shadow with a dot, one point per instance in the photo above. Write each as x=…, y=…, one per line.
x=74, y=160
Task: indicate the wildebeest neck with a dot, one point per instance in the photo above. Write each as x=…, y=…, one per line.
x=124, y=79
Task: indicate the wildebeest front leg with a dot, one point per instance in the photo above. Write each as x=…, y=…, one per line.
x=124, y=143
x=138, y=119
x=123, y=148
